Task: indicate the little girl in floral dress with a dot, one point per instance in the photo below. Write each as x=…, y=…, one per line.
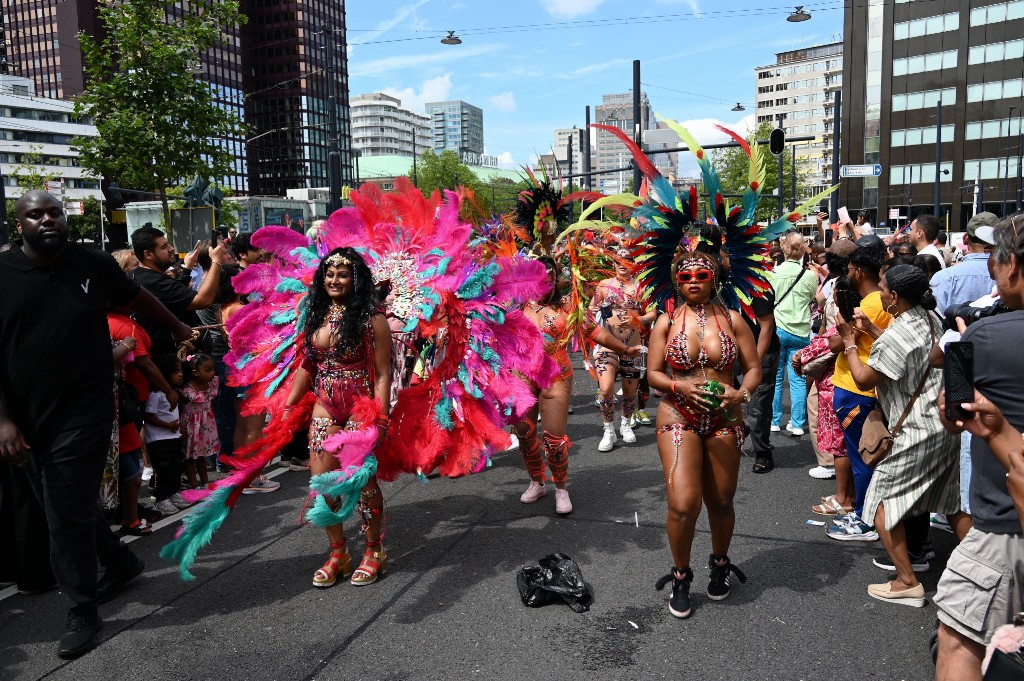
x=199, y=421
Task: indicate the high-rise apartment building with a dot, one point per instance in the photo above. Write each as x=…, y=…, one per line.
x=458, y=126
x=795, y=93
x=933, y=90
x=273, y=73
x=381, y=126
x=561, y=151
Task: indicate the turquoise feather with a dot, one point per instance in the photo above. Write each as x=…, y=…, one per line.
x=197, y=530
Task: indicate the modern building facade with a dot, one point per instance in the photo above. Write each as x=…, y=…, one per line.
x=35, y=139
x=277, y=73
x=932, y=90
x=795, y=93
x=296, y=70
x=608, y=153
x=381, y=126
x=564, y=139
x=459, y=127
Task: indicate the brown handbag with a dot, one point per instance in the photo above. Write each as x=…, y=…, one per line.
x=875, y=437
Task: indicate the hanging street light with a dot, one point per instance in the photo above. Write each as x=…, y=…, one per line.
x=799, y=15
x=451, y=39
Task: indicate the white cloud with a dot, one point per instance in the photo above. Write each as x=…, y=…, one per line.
x=568, y=9
x=434, y=90
x=506, y=160
x=417, y=61
x=505, y=101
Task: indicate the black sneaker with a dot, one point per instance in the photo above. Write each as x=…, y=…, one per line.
x=918, y=562
x=718, y=586
x=115, y=579
x=679, y=603
x=79, y=635
x=764, y=463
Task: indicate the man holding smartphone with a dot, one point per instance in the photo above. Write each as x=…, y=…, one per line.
x=982, y=587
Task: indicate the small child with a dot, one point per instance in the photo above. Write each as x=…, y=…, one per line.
x=163, y=439
x=201, y=439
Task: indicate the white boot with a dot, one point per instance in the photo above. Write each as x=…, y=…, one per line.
x=609, y=439
x=628, y=436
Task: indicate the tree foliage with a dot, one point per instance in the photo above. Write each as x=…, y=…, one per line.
x=31, y=173
x=158, y=124
x=732, y=166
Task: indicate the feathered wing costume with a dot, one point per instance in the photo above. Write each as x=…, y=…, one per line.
x=667, y=216
x=440, y=287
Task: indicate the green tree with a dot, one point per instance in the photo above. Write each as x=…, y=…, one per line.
x=30, y=171
x=158, y=124
x=733, y=166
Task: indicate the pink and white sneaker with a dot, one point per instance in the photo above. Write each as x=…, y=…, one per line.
x=534, y=492
x=562, y=504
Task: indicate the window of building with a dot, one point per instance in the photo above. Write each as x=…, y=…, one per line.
x=935, y=61
x=928, y=26
x=992, y=129
x=993, y=14
x=990, y=168
x=921, y=100
x=985, y=92
x=912, y=136
x=921, y=173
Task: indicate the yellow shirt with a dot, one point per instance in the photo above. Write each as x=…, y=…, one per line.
x=871, y=306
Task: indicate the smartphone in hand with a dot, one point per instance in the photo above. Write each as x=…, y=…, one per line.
x=958, y=378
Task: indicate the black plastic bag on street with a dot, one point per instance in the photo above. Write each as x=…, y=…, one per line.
x=558, y=577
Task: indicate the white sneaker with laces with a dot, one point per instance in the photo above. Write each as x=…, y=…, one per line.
x=534, y=492
x=795, y=432
x=608, y=440
x=166, y=507
x=628, y=436
x=822, y=472
x=262, y=485
x=775, y=429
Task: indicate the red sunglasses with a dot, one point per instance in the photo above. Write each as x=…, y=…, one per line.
x=686, y=276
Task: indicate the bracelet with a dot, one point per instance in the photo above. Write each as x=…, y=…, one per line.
x=746, y=395
x=673, y=388
x=849, y=347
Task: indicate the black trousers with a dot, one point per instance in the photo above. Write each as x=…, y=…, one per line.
x=24, y=534
x=65, y=473
x=168, y=461
x=758, y=414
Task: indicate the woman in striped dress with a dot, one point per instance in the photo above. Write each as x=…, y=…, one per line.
x=921, y=472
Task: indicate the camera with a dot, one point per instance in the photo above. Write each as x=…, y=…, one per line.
x=970, y=314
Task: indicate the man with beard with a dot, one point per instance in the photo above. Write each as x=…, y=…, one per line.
x=57, y=399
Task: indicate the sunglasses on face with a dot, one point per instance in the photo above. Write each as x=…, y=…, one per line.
x=702, y=276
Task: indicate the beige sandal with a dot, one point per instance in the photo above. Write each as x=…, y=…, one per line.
x=829, y=506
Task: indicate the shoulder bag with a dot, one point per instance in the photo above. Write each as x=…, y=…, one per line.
x=803, y=271
x=875, y=437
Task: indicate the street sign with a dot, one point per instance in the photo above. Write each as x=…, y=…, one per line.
x=894, y=213
x=55, y=188
x=74, y=208
x=861, y=171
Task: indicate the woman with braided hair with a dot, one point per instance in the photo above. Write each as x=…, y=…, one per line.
x=699, y=424
x=347, y=352
x=551, y=316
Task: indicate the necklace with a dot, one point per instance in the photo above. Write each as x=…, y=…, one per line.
x=334, y=315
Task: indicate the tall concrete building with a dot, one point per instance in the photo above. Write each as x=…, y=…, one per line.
x=381, y=126
x=561, y=151
x=273, y=73
x=795, y=94
x=607, y=152
x=459, y=127
x=932, y=90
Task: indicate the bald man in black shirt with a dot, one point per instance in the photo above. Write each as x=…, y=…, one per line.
x=57, y=398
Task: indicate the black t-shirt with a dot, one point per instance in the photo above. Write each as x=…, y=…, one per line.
x=998, y=375
x=176, y=297
x=763, y=306
x=56, y=364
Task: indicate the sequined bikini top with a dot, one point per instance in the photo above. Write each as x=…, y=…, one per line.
x=677, y=351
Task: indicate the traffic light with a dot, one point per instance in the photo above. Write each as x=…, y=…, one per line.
x=777, y=141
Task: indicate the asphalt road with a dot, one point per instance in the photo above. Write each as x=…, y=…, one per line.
x=449, y=609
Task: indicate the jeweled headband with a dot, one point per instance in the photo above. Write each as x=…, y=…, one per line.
x=338, y=260
x=697, y=261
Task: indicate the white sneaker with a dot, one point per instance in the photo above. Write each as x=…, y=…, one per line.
x=534, y=492
x=775, y=429
x=609, y=439
x=795, y=432
x=822, y=472
x=262, y=485
x=562, y=504
x=179, y=500
x=628, y=436
x=166, y=507
x=147, y=474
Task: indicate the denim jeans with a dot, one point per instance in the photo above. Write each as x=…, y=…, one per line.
x=789, y=344
x=852, y=410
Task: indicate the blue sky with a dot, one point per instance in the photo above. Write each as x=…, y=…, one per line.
x=533, y=65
